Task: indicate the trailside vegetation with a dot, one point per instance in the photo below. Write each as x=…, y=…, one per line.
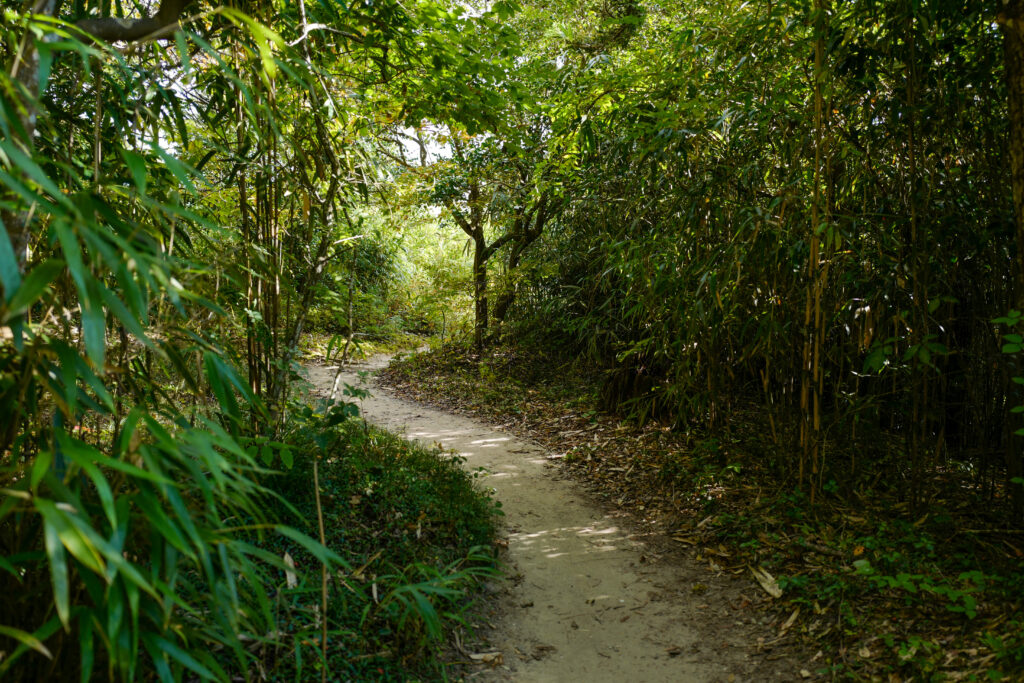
x=855, y=583
x=783, y=238
x=803, y=208
x=416, y=536
x=178, y=182
x=788, y=233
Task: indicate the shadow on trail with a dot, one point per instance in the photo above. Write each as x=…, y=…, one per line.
x=582, y=601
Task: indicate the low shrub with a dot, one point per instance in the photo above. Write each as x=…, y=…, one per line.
x=415, y=531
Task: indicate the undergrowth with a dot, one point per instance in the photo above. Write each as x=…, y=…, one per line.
x=416, y=533
x=884, y=589
x=329, y=347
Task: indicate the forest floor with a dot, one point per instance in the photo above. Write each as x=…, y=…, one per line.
x=590, y=594
x=878, y=589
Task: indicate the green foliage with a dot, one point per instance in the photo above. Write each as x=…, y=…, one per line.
x=168, y=208
x=1013, y=344
x=115, y=493
x=427, y=601
x=714, y=228
x=413, y=530
x=409, y=278
x=1008, y=645
x=957, y=597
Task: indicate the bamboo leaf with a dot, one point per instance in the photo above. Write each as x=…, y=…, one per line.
x=40, y=467
x=87, y=656
x=33, y=286
x=155, y=514
x=30, y=168
x=70, y=537
x=58, y=562
x=10, y=274
x=183, y=54
x=94, y=325
x=323, y=554
x=767, y=582
x=137, y=167
x=178, y=655
x=225, y=396
x=10, y=569
x=26, y=638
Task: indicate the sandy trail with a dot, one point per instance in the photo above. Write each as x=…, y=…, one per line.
x=582, y=602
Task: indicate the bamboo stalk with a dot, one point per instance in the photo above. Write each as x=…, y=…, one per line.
x=323, y=572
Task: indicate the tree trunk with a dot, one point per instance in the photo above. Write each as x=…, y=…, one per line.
x=501, y=306
x=480, y=292
x=527, y=230
x=1011, y=20
x=305, y=293
x=505, y=299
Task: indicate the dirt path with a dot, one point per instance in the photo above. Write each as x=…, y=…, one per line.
x=583, y=602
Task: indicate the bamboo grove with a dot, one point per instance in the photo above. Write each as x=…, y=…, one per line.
x=805, y=216
x=176, y=179
x=801, y=216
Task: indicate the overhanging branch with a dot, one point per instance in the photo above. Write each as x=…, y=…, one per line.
x=113, y=29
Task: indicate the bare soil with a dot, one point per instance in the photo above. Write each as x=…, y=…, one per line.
x=587, y=596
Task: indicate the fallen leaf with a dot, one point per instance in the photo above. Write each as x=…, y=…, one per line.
x=316, y=615
x=492, y=659
x=767, y=581
x=289, y=574
x=789, y=622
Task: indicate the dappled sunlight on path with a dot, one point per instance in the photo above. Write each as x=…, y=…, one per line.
x=581, y=603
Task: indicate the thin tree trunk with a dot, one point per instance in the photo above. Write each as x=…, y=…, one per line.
x=811, y=372
x=351, y=300
x=527, y=230
x=480, y=293
x=919, y=423
x=1011, y=20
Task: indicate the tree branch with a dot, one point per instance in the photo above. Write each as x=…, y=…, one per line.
x=459, y=218
x=113, y=29
x=496, y=245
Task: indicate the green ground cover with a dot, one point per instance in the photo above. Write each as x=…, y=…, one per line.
x=416, y=533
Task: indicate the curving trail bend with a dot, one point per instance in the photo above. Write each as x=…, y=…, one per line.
x=582, y=602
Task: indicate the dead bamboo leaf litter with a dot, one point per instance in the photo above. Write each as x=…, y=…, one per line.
x=936, y=594
x=587, y=596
